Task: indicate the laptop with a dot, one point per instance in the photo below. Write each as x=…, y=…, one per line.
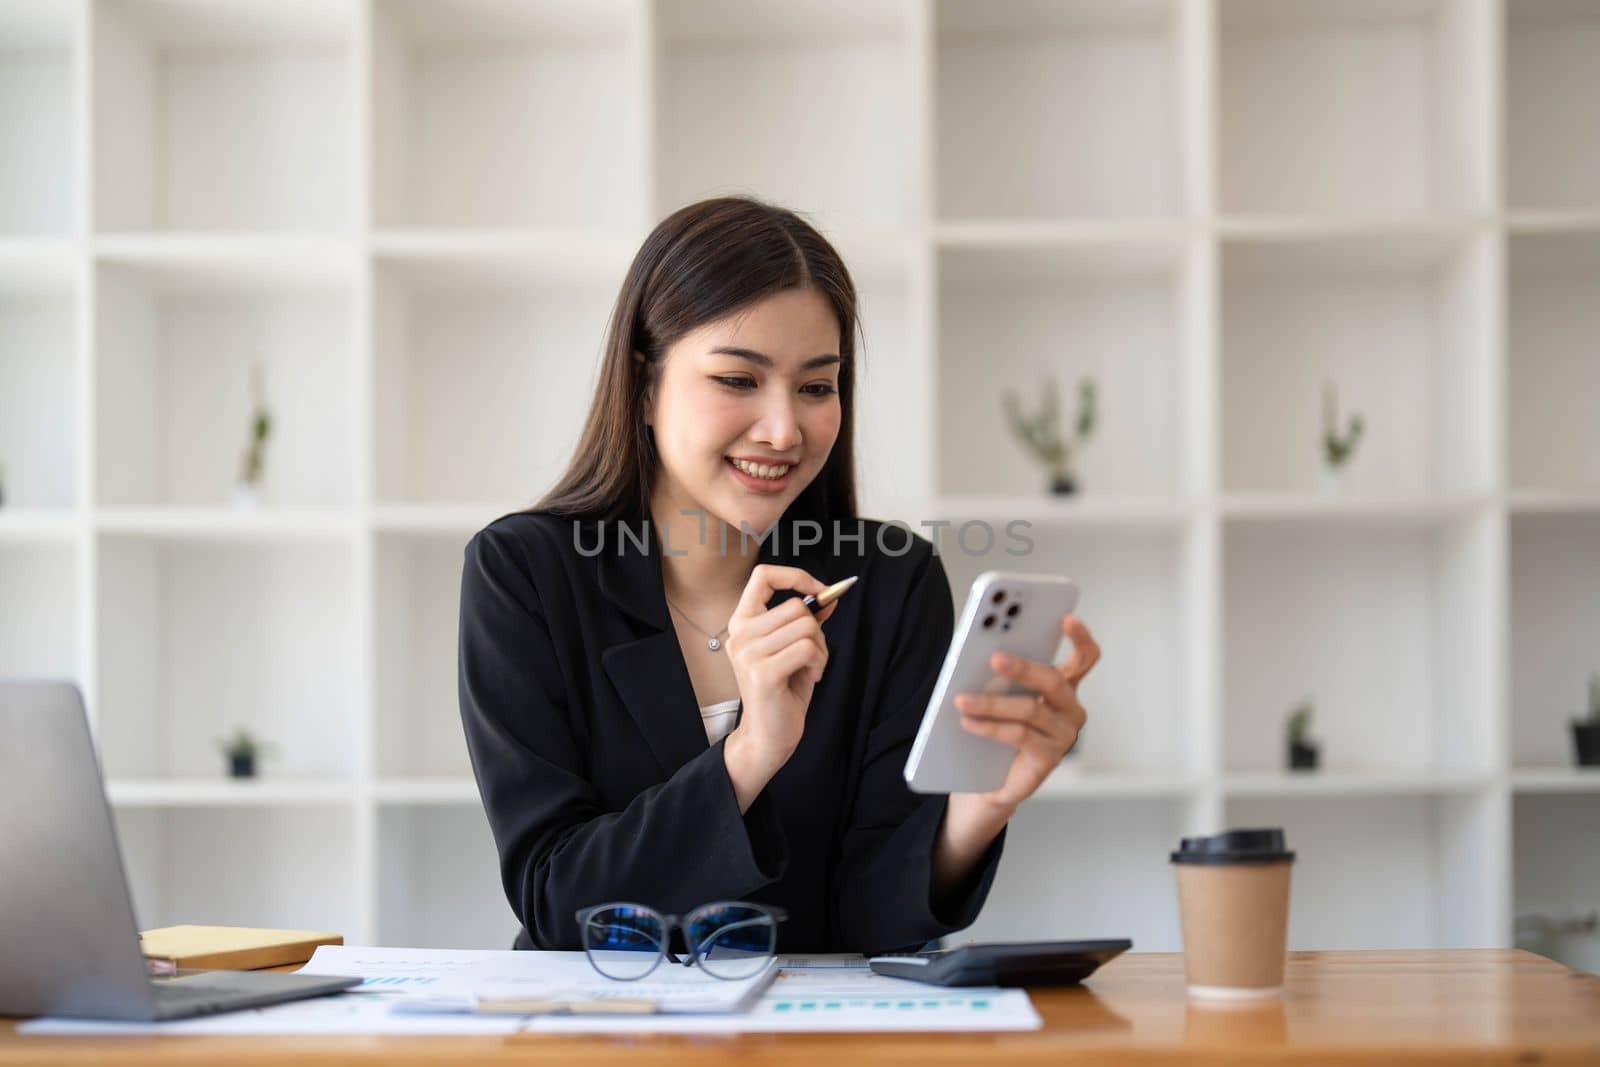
x=69, y=945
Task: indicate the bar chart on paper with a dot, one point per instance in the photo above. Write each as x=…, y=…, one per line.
x=843, y=993
x=996, y=1009
x=882, y=1005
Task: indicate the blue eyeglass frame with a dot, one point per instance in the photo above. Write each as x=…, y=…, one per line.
x=672, y=922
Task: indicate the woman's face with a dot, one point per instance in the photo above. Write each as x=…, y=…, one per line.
x=760, y=387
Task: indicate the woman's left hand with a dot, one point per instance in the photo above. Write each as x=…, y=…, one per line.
x=1043, y=726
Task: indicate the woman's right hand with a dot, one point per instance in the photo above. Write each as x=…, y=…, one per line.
x=778, y=656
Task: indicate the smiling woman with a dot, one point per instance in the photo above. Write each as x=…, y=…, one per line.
x=771, y=421
x=728, y=288
x=596, y=685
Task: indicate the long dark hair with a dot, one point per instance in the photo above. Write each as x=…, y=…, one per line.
x=702, y=263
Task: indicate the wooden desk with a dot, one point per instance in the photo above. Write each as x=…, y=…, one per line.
x=1478, y=1007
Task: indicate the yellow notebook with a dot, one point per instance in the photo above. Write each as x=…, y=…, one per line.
x=234, y=948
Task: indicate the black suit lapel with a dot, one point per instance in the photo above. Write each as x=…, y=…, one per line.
x=654, y=684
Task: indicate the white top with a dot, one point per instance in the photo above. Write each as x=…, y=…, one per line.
x=719, y=719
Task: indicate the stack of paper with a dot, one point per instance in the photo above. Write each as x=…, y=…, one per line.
x=800, y=993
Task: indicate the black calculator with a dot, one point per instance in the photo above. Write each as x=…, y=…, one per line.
x=1003, y=963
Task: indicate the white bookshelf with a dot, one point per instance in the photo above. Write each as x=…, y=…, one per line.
x=415, y=216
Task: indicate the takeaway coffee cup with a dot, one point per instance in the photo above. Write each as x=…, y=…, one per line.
x=1233, y=901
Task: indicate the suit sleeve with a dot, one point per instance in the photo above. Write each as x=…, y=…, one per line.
x=885, y=885
x=559, y=851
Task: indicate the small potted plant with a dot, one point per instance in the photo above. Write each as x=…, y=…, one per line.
x=1041, y=434
x=247, y=491
x=1336, y=447
x=1586, y=731
x=1302, y=750
x=241, y=751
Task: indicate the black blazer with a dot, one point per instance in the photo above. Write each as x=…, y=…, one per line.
x=592, y=762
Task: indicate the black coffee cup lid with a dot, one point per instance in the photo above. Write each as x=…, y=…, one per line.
x=1233, y=847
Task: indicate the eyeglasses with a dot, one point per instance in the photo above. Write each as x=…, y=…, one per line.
x=729, y=939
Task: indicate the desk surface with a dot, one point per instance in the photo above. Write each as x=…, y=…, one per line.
x=1477, y=1006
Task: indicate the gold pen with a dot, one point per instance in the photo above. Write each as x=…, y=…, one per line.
x=817, y=601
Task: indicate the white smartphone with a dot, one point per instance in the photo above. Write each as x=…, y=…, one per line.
x=1007, y=612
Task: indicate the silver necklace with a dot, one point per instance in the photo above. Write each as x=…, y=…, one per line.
x=713, y=640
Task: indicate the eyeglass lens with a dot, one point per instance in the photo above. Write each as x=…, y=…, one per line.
x=624, y=942
x=731, y=940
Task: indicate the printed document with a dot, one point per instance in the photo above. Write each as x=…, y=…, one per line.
x=435, y=991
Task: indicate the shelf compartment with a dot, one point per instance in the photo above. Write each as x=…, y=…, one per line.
x=1554, y=876
x=198, y=639
x=1134, y=593
x=439, y=880
x=418, y=599
x=1552, y=140
x=39, y=380
x=39, y=173
x=282, y=868
x=1127, y=891
x=1398, y=323
x=1009, y=318
x=39, y=624
x=484, y=376
x=1362, y=108
x=832, y=85
x=1430, y=850
x=1390, y=629
x=176, y=337
x=1057, y=110
x=1552, y=371
x=471, y=104
x=223, y=116
x=1555, y=615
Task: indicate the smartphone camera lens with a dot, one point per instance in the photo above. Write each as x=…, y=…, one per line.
x=999, y=597
x=988, y=622
x=1011, y=612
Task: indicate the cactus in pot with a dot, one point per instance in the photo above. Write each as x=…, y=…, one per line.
x=1042, y=434
x=1586, y=730
x=1302, y=750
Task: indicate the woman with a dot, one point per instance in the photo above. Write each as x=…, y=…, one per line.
x=594, y=625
